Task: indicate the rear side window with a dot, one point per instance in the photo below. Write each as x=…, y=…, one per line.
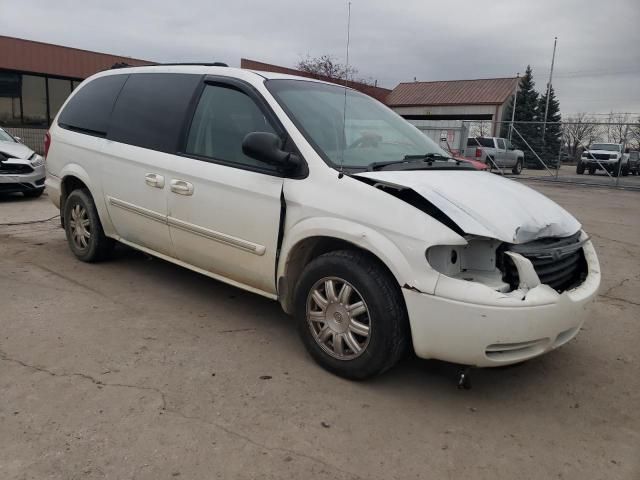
x=485, y=142
x=223, y=118
x=500, y=143
x=151, y=110
x=89, y=109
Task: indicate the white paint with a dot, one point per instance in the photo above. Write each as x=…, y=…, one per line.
x=228, y=229
x=488, y=205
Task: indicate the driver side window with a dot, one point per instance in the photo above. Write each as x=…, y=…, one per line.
x=500, y=143
x=223, y=117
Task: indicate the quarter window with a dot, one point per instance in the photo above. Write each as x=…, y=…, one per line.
x=223, y=117
x=90, y=108
x=500, y=143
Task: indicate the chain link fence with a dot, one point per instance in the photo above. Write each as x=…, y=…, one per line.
x=592, y=153
x=31, y=137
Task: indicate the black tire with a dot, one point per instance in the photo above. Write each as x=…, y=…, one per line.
x=98, y=246
x=580, y=168
x=625, y=171
x=592, y=170
x=489, y=163
x=517, y=168
x=389, y=327
x=35, y=193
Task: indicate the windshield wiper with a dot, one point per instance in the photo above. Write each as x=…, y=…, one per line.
x=429, y=158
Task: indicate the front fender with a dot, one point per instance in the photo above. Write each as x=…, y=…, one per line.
x=398, y=261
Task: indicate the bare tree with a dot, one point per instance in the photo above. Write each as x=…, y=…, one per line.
x=634, y=135
x=329, y=66
x=617, y=130
x=577, y=133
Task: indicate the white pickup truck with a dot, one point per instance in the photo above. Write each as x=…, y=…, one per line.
x=604, y=156
x=495, y=152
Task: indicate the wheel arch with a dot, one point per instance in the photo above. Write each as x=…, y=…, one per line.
x=298, y=251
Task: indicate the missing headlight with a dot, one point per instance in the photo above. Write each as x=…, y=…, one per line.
x=474, y=262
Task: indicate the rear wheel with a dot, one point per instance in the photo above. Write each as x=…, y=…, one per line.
x=84, y=231
x=580, y=168
x=592, y=170
x=517, y=168
x=489, y=162
x=351, y=314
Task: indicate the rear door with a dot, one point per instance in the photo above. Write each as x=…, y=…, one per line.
x=224, y=207
x=502, y=157
x=145, y=128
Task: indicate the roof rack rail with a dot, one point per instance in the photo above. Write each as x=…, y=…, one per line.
x=204, y=64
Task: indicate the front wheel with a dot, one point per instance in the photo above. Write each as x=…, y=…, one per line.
x=84, y=231
x=351, y=314
x=580, y=168
x=517, y=168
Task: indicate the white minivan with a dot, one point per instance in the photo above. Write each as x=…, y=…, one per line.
x=325, y=200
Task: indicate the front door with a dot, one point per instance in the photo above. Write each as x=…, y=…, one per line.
x=224, y=207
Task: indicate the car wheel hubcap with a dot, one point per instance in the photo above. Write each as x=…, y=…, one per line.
x=80, y=226
x=338, y=318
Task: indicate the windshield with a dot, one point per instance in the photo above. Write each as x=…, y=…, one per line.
x=609, y=147
x=5, y=137
x=365, y=133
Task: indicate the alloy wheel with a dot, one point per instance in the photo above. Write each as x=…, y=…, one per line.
x=338, y=318
x=80, y=226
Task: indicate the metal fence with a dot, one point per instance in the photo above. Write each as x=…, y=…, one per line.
x=557, y=151
x=31, y=137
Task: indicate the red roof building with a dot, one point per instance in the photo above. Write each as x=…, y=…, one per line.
x=483, y=99
x=378, y=93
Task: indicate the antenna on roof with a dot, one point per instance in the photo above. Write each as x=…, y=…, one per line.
x=346, y=82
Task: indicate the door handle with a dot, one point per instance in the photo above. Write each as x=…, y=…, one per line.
x=154, y=180
x=181, y=187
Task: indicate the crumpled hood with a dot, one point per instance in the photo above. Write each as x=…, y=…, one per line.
x=485, y=204
x=17, y=150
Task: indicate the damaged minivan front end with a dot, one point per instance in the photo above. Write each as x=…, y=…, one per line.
x=519, y=284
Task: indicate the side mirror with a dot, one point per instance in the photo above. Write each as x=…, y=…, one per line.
x=267, y=147
x=18, y=139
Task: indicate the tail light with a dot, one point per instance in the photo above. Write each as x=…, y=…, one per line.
x=47, y=143
x=478, y=153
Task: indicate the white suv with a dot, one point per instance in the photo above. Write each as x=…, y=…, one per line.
x=325, y=200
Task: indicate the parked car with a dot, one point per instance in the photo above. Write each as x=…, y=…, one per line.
x=495, y=152
x=604, y=156
x=21, y=169
x=634, y=162
x=474, y=163
x=371, y=236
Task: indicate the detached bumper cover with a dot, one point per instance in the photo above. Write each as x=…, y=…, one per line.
x=468, y=323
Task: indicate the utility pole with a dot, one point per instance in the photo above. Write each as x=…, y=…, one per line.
x=546, y=108
x=515, y=102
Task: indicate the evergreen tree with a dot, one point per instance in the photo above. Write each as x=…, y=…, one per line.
x=553, y=133
x=526, y=111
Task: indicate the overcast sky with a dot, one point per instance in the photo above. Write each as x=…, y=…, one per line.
x=597, y=62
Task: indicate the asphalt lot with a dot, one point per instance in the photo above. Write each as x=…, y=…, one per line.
x=136, y=368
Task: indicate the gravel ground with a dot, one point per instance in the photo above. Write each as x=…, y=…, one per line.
x=136, y=368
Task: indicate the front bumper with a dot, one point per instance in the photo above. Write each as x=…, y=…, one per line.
x=601, y=164
x=492, y=330
x=12, y=183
